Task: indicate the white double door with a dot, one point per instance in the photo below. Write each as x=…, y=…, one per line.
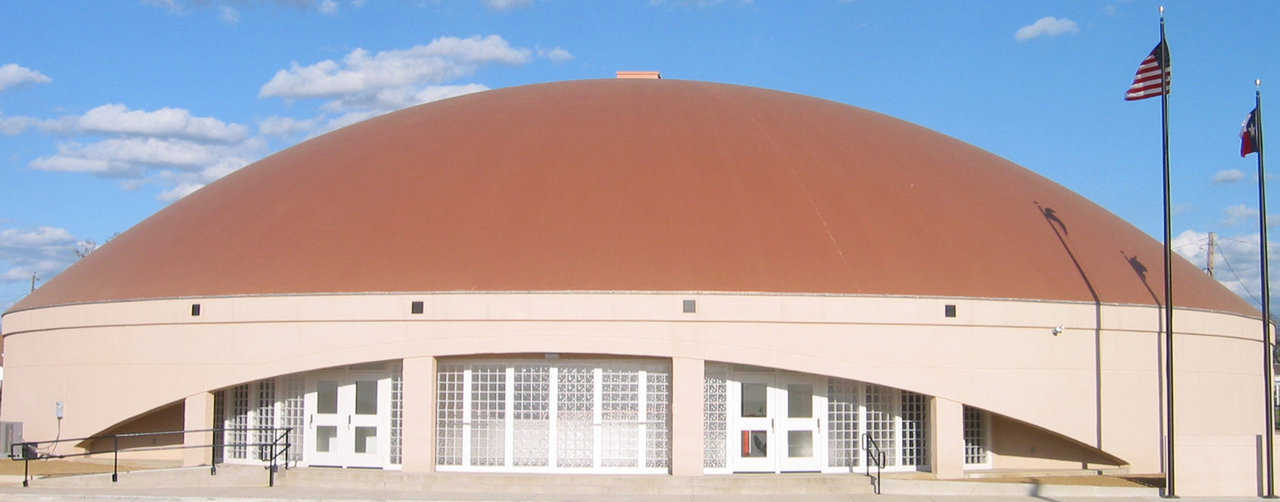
x=348, y=418
x=777, y=422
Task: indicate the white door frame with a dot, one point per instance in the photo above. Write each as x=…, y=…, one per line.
x=745, y=432
x=814, y=457
x=775, y=426
x=346, y=421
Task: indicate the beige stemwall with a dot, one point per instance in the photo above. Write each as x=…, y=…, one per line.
x=946, y=438
x=419, y=408
x=999, y=355
x=197, y=412
x=687, y=380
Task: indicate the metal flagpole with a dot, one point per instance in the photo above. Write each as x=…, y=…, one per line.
x=1266, y=289
x=1168, y=276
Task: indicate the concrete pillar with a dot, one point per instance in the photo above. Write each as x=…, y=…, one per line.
x=419, y=434
x=686, y=416
x=946, y=438
x=197, y=413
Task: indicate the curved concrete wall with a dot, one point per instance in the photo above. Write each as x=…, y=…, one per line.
x=1098, y=382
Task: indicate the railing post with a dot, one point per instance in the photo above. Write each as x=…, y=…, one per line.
x=115, y=458
x=213, y=454
x=26, y=466
x=287, y=445
x=271, y=477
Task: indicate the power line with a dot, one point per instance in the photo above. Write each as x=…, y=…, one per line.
x=1239, y=280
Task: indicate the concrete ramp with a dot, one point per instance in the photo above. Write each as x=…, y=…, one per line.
x=178, y=477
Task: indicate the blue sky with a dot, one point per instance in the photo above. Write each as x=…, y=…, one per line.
x=111, y=110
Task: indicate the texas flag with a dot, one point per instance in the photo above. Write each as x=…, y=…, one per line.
x=1249, y=134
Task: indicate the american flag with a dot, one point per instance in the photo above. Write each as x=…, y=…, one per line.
x=1150, y=78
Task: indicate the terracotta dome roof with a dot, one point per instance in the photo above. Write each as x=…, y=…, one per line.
x=635, y=185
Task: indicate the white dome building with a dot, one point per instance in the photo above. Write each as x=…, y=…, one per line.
x=645, y=276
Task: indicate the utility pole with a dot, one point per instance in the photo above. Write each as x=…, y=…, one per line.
x=1212, y=238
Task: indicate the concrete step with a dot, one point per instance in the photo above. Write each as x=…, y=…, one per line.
x=575, y=484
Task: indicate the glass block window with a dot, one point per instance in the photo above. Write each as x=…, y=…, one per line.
x=715, y=392
x=843, y=435
x=915, y=429
x=397, y=415
x=450, y=390
x=488, y=415
x=620, y=412
x=265, y=418
x=575, y=414
x=879, y=420
x=238, y=423
x=657, y=426
x=293, y=409
x=219, y=424
x=532, y=415
x=975, y=436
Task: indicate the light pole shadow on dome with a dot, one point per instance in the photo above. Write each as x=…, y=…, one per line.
x=1059, y=228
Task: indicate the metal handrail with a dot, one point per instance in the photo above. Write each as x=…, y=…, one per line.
x=27, y=451
x=877, y=458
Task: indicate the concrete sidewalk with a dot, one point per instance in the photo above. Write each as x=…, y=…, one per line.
x=248, y=483
x=246, y=494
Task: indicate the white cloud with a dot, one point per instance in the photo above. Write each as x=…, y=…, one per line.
x=15, y=124
x=507, y=4
x=365, y=85
x=1047, y=27
x=328, y=7
x=168, y=147
x=12, y=75
x=364, y=108
x=180, y=191
x=438, y=92
x=347, y=119
x=392, y=99
x=128, y=152
x=556, y=55
x=1236, y=261
x=285, y=126
x=1237, y=214
x=165, y=122
x=229, y=14
x=442, y=60
x=44, y=251
x=1228, y=176
x=170, y=163
x=40, y=237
